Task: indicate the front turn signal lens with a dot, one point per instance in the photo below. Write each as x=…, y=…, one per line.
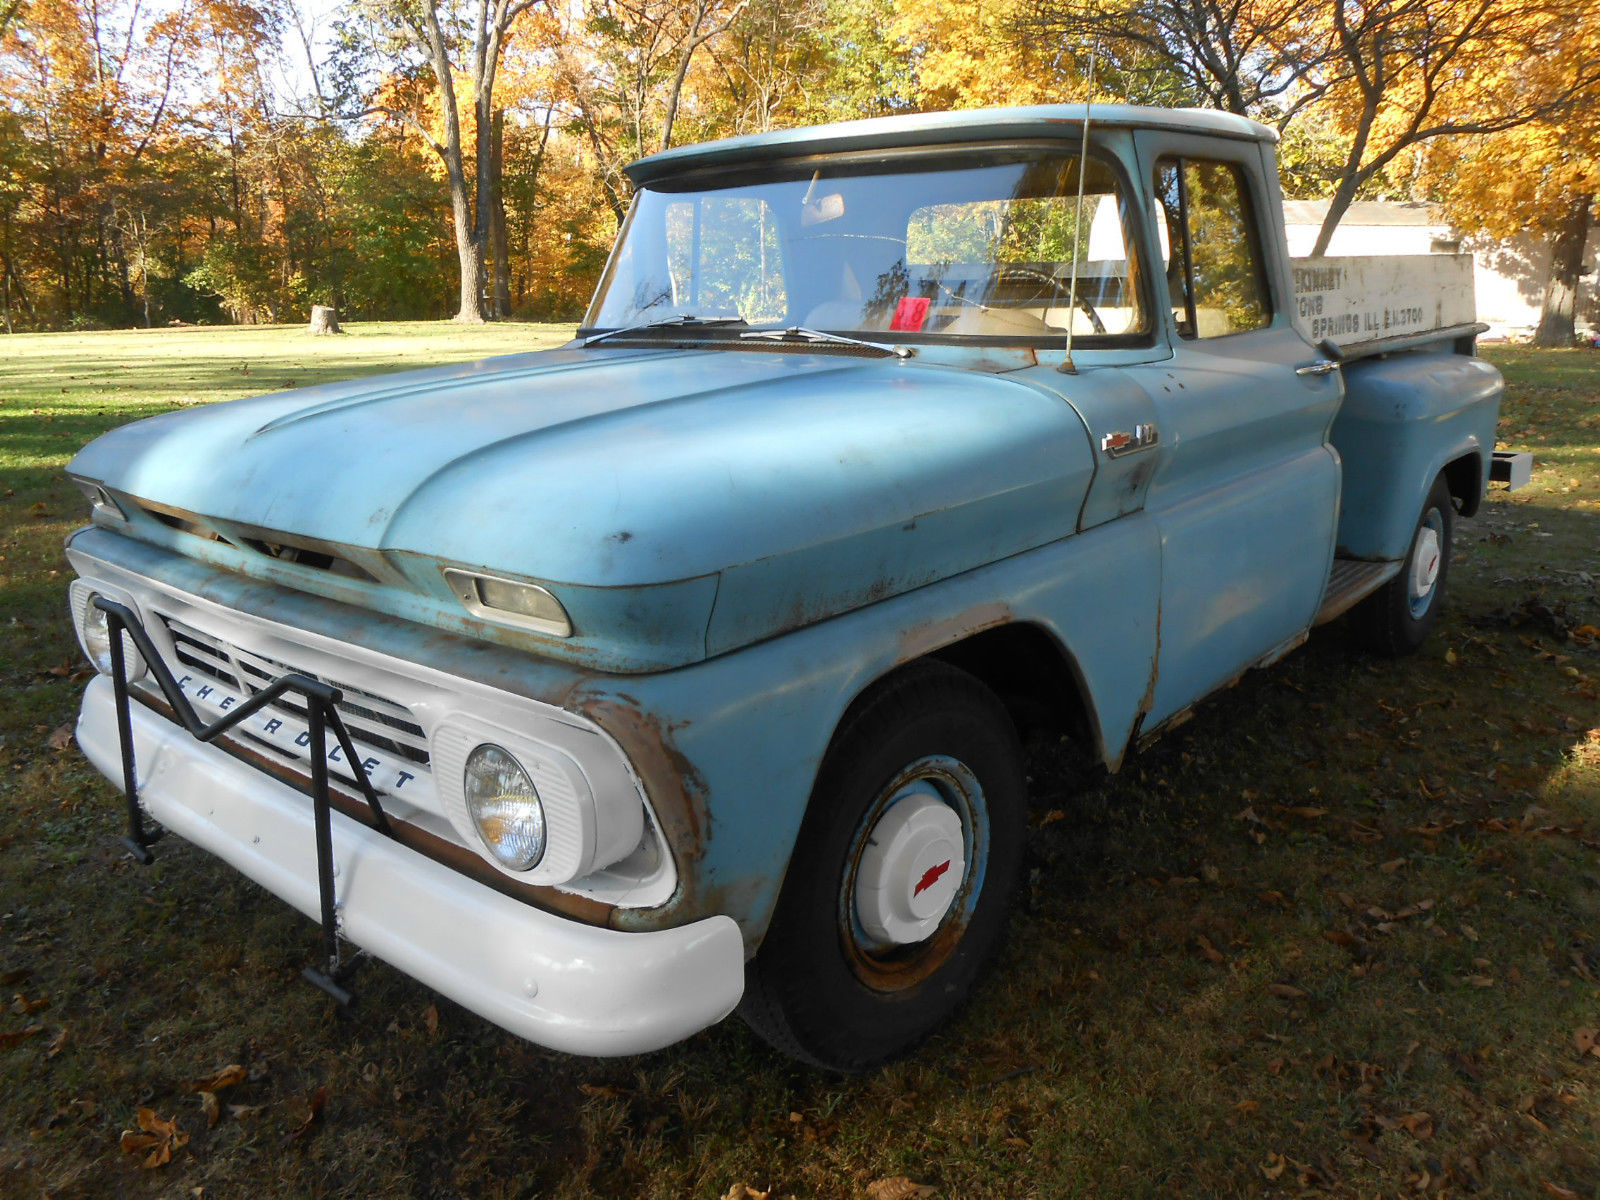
x=510, y=602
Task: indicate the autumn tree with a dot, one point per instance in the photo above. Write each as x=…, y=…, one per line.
x=1388, y=75
x=1541, y=178
x=968, y=53
x=403, y=41
x=622, y=69
x=88, y=83
x=1242, y=56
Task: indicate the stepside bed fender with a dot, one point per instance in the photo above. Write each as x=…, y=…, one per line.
x=1405, y=418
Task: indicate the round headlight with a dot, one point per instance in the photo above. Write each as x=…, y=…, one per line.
x=505, y=807
x=97, y=644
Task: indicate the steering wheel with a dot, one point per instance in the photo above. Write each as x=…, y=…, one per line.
x=1012, y=271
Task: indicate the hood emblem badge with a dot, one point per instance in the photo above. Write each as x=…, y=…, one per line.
x=1115, y=445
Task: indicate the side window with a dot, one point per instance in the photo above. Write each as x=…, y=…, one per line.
x=724, y=259
x=1212, y=247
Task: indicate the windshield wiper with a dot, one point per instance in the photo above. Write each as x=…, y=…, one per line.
x=681, y=319
x=802, y=333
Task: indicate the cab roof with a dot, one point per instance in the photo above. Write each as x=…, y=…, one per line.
x=920, y=129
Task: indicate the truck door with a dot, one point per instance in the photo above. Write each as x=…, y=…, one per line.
x=1246, y=491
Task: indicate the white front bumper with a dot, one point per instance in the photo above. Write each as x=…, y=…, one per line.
x=554, y=981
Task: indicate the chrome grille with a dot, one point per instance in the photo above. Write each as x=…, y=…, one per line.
x=373, y=720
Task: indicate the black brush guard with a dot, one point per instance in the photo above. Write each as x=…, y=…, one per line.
x=322, y=715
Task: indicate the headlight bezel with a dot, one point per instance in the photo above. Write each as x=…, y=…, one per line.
x=591, y=821
x=88, y=622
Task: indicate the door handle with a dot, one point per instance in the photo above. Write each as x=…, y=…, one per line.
x=1323, y=366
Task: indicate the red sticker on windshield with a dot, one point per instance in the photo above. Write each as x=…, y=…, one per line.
x=909, y=314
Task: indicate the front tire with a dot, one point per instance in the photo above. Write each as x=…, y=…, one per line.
x=1397, y=618
x=902, y=877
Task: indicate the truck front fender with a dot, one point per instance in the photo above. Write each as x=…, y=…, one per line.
x=728, y=749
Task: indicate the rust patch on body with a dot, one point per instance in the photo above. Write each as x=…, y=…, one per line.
x=921, y=640
x=677, y=793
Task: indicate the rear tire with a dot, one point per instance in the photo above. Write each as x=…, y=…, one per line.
x=902, y=877
x=1397, y=618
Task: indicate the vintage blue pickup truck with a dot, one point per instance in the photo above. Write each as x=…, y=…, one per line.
x=682, y=669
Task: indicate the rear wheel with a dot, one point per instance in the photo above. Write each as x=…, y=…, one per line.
x=1397, y=618
x=901, y=879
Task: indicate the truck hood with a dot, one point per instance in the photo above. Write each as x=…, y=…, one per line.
x=678, y=502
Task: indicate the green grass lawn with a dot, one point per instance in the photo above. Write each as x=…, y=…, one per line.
x=1338, y=936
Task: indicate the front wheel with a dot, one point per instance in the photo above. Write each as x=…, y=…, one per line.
x=901, y=879
x=1397, y=618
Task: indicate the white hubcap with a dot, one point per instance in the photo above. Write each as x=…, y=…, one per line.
x=1425, y=563
x=911, y=869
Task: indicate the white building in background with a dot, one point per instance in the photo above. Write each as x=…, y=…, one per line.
x=1509, y=275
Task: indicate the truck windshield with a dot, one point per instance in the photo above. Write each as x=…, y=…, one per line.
x=927, y=247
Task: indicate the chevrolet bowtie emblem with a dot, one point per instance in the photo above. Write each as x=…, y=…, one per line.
x=1119, y=443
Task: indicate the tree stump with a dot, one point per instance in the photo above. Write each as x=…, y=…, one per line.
x=324, y=319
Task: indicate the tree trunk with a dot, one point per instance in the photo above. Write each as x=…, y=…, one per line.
x=324, y=319
x=497, y=219
x=1344, y=195
x=1558, y=318
x=471, y=256
x=468, y=249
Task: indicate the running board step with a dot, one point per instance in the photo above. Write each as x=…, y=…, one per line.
x=1350, y=582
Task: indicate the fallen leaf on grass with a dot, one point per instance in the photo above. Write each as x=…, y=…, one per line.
x=1287, y=990
x=597, y=1090
x=1310, y=814
x=1393, y=865
x=8, y=978
x=158, y=1137
x=1587, y=1041
x=899, y=1188
x=1247, y=1108
x=228, y=1077
x=430, y=1018
x=57, y=1043
x=243, y=1112
x=1274, y=1166
x=1211, y=953
x=1339, y=938
x=224, y=1078
x=1419, y=1125
x=743, y=1191
x=16, y=1038
x=1480, y=981
x=1555, y=1189
x=22, y=1006
x=61, y=737
x=318, y=1102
